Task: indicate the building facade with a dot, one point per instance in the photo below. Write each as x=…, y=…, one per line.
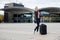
x=52, y=14
x=17, y=13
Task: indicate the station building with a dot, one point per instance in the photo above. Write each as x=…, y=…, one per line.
x=52, y=14
x=17, y=13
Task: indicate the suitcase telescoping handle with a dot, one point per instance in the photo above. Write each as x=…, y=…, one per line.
x=42, y=19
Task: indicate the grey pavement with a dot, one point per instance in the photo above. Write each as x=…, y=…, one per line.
x=24, y=31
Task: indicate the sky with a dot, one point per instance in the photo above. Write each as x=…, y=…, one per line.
x=32, y=3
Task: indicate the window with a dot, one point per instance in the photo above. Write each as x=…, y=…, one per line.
x=55, y=17
x=50, y=17
x=15, y=15
x=44, y=16
x=22, y=18
x=18, y=5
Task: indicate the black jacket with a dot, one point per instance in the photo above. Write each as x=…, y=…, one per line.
x=36, y=14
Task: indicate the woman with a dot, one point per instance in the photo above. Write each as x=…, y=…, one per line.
x=37, y=18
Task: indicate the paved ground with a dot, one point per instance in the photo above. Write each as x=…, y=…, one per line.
x=24, y=31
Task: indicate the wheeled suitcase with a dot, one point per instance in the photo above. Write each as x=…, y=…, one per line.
x=43, y=29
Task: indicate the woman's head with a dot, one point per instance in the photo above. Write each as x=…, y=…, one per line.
x=36, y=8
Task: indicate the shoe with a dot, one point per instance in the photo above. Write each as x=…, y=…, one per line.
x=34, y=31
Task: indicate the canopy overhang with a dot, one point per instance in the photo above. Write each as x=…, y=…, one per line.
x=17, y=9
x=51, y=9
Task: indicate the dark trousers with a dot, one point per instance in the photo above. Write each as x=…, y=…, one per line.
x=37, y=27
